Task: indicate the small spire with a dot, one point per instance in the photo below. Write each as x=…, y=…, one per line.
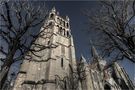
x=94, y=51
x=67, y=18
x=83, y=59
x=53, y=9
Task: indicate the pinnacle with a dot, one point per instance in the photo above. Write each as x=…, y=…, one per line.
x=53, y=9
x=83, y=59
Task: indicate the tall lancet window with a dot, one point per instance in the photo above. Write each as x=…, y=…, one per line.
x=67, y=25
x=60, y=30
x=61, y=62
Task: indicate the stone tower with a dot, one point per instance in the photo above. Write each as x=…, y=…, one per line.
x=40, y=73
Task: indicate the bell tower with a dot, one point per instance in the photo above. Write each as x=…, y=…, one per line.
x=40, y=73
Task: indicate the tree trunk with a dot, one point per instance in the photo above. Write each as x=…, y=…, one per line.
x=7, y=65
x=4, y=71
x=3, y=76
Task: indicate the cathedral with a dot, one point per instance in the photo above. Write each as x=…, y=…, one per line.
x=58, y=69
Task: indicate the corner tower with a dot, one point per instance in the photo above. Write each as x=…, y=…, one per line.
x=40, y=73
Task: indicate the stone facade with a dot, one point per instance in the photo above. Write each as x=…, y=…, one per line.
x=58, y=64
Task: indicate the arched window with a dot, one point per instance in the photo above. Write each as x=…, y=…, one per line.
x=58, y=20
x=52, y=16
x=64, y=23
x=107, y=87
x=67, y=25
x=64, y=32
x=67, y=34
x=61, y=62
x=60, y=30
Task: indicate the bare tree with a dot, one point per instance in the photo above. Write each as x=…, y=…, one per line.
x=18, y=31
x=114, y=21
